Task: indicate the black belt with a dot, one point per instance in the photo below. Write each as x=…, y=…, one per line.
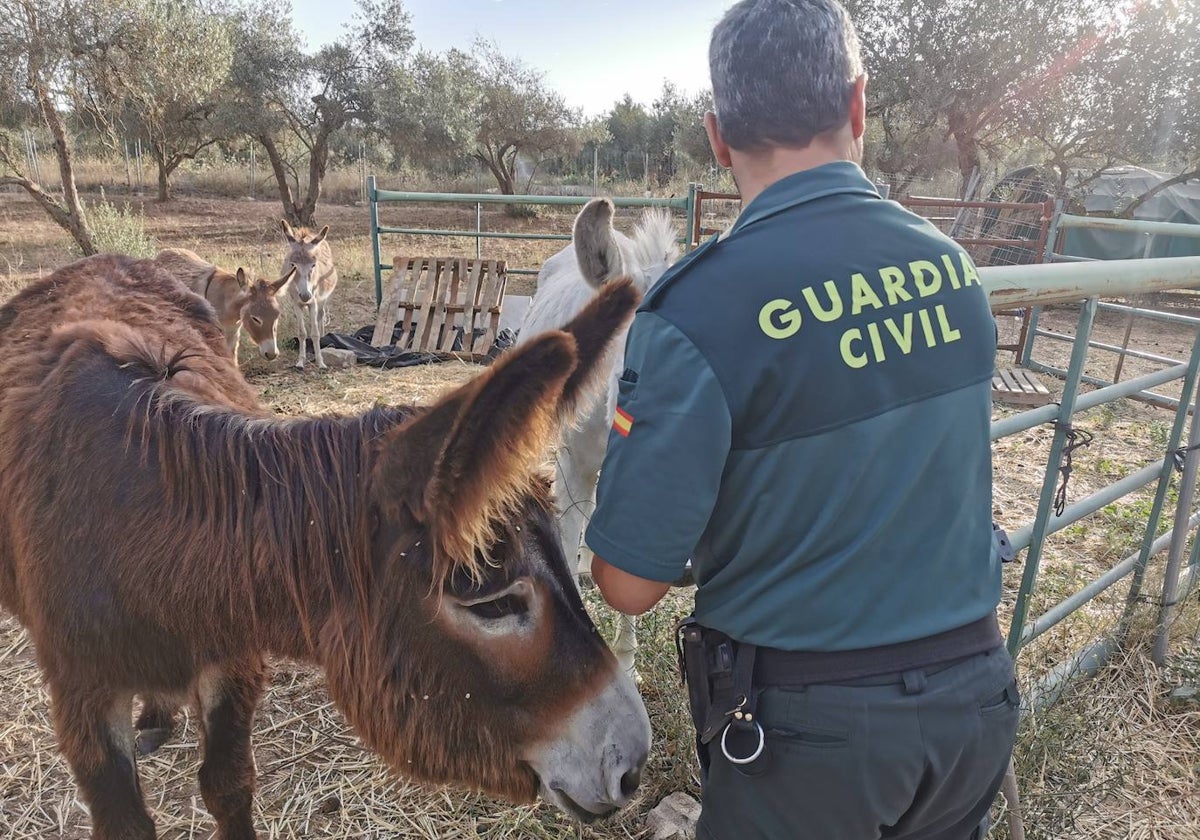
x=784, y=668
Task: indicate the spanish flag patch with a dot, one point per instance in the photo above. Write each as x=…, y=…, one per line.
x=622, y=422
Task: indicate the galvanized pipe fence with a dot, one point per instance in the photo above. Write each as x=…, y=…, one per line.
x=1063, y=222
x=1086, y=282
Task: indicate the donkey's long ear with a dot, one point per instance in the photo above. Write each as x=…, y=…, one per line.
x=278, y=286
x=465, y=464
x=320, y=237
x=596, y=247
x=594, y=330
x=242, y=281
x=288, y=233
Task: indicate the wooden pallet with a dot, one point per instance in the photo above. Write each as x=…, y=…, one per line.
x=436, y=294
x=1017, y=386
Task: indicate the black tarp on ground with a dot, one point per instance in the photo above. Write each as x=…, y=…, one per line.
x=390, y=357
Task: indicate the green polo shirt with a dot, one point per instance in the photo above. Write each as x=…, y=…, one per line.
x=805, y=414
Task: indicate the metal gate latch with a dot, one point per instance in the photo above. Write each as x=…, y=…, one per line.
x=1007, y=555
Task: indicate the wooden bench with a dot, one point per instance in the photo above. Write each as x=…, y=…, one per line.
x=1017, y=386
x=430, y=296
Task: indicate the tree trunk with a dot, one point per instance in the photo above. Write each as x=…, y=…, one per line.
x=318, y=163
x=290, y=211
x=967, y=144
x=69, y=214
x=73, y=224
x=164, y=174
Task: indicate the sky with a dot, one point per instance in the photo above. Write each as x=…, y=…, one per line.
x=591, y=51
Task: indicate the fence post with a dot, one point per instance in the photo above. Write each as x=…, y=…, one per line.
x=1083, y=332
x=375, y=240
x=693, y=217
x=1160, y=496
x=1047, y=257
x=1183, y=510
x=128, y=170
x=478, y=229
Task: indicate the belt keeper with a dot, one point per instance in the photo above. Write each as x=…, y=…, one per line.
x=914, y=682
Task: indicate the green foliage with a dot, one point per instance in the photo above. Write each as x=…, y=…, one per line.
x=119, y=230
x=480, y=104
x=1070, y=80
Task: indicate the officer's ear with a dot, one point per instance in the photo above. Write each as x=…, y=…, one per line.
x=858, y=107
x=716, y=140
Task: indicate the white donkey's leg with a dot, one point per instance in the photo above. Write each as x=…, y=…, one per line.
x=231, y=340
x=625, y=645
x=318, y=309
x=302, y=334
x=578, y=469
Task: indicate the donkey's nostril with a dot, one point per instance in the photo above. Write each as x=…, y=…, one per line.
x=630, y=782
x=271, y=355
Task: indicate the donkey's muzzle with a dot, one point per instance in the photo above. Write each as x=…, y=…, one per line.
x=306, y=299
x=595, y=764
x=630, y=781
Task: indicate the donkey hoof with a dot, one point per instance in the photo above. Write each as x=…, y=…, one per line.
x=149, y=740
x=299, y=366
x=322, y=366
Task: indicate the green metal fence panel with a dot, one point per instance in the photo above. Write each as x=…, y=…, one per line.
x=1072, y=282
x=687, y=204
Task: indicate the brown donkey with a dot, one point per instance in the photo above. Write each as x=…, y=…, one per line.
x=161, y=533
x=239, y=303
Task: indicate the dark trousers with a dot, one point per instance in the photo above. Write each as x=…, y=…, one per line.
x=918, y=756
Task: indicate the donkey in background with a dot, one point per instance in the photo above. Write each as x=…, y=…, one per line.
x=309, y=254
x=568, y=282
x=239, y=303
x=161, y=533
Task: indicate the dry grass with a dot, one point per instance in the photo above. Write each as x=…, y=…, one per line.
x=1113, y=759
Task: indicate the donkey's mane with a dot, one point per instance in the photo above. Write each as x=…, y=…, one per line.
x=653, y=239
x=285, y=495
x=267, y=498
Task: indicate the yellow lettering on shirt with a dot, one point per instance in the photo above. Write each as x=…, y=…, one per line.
x=789, y=319
x=862, y=295
x=821, y=313
x=852, y=359
x=887, y=335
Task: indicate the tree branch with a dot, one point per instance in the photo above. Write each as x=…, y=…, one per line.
x=1181, y=178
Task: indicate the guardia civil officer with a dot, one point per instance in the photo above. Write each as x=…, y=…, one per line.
x=804, y=413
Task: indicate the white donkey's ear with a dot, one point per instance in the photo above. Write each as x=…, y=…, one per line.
x=596, y=247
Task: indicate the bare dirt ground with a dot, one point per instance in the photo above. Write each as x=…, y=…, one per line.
x=1113, y=759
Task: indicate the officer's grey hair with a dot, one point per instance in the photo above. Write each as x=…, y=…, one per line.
x=783, y=71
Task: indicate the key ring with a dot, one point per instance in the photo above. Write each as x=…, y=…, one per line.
x=762, y=741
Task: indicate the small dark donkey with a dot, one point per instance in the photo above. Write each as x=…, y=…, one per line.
x=161, y=533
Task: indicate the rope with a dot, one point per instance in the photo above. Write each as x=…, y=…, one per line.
x=1075, y=439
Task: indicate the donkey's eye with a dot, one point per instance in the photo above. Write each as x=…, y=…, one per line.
x=257, y=321
x=501, y=607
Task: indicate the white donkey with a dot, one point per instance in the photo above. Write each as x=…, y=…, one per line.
x=315, y=280
x=597, y=254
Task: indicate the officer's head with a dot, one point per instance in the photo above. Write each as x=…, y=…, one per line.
x=786, y=74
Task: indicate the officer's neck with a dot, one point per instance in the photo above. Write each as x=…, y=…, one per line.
x=757, y=170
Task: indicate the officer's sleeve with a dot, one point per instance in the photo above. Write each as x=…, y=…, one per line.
x=666, y=453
